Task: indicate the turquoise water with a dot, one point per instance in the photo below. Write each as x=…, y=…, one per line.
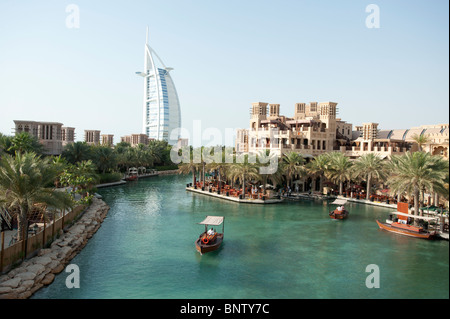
x=145, y=249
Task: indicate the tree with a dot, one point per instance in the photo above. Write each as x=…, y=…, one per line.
x=339, y=170
x=76, y=152
x=318, y=167
x=420, y=140
x=242, y=170
x=104, y=158
x=5, y=144
x=292, y=164
x=274, y=173
x=81, y=177
x=418, y=171
x=26, y=180
x=24, y=142
x=370, y=167
x=187, y=168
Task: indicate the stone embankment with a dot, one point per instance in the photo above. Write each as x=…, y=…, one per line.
x=39, y=271
x=169, y=172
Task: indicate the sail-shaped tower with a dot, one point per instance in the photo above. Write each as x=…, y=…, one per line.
x=161, y=109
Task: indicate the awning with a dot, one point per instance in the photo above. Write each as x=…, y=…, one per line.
x=414, y=216
x=212, y=220
x=339, y=202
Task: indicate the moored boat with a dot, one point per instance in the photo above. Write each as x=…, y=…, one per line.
x=132, y=174
x=402, y=227
x=210, y=240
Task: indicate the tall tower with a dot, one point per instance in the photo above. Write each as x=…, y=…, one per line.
x=161, y=107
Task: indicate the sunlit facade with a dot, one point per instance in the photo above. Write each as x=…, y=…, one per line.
x=161, y=111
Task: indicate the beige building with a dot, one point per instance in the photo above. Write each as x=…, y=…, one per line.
x=135, y=139
x=92, y=137
x=52, y=135
x=107, y=139
x=68, y=135
x=314, y=129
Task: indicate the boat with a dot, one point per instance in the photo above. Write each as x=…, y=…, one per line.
x=208, y=241
x=339, y=213
x=132, y=174
x=400, y=225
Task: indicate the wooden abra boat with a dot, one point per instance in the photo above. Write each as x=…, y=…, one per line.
x=340, y=212
x=132, y=174
x=401, y=226
x=209, y=241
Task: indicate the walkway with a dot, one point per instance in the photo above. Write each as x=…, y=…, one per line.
x=235, y=199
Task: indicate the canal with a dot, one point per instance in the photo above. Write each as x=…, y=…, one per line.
x=145, y=249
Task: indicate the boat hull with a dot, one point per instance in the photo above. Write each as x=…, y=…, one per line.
x=405, y=232
x=206, y=248
x=338, y=215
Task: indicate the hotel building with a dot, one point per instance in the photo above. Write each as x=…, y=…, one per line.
x=314, y=129
x=92, y=137
x=136, y=139
x=161, y=108
x=52, y=135
x=107, y=139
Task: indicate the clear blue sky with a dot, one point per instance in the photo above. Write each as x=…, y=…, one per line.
x=225, y=55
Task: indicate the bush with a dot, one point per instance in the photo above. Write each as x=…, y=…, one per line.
x=110, y=177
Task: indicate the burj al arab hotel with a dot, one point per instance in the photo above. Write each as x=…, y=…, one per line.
x=161, y=109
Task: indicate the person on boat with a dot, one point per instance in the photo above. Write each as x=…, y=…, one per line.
x=340, y=208
x=210, y=232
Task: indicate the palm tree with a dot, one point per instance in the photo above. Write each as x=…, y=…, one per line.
x=25, y=180
x=24, y=142
x=267, y=168
x=242, y=170
x=292, y=164
x=105, y=158
x=421, y=140
x=418, y=171
x=76, y=152
x=339, y=170
x=318, y=167
x=187, y=168
x=370, y=167
x=5, y=144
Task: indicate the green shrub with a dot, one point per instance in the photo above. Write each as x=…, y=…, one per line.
x=110, y=177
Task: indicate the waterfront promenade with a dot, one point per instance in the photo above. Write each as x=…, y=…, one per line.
x=236, y=198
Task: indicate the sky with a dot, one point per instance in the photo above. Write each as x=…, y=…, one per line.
x=226, y=55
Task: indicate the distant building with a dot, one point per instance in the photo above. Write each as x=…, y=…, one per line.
x=68, y=135
x=52, y=135
x=182, y=142
x=92, y=137
x=136, y=139
x=107, y=139
x=314, y=129
x=161, y=109
x=241, y=141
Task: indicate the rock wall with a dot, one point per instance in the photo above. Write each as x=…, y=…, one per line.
x=39, y=271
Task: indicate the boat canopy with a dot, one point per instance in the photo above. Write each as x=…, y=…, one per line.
x=212, y=220
x=414, y=216
x=339, y=202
